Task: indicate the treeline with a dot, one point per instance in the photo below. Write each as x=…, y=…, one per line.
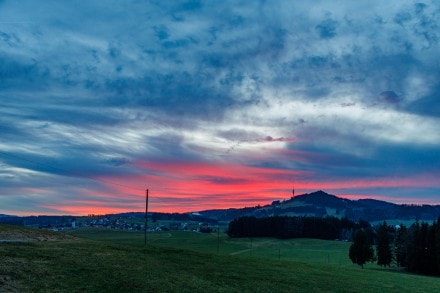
x=327, y=228
x=416, y=248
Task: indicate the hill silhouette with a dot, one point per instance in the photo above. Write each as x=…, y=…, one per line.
x=315, y=204
x=320, y=204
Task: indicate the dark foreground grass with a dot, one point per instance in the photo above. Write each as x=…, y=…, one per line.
x=99, y=266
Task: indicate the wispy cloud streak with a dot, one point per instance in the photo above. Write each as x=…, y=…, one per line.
x=329, y=95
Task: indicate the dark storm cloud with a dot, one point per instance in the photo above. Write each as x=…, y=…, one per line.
x=239, y=40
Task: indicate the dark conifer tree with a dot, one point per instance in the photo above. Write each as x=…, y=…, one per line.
x=412, y=247
x=401, y=246
x=417, y=248
x=431, y=251
x=437, y=246
x=361, y=250
x=383, y=247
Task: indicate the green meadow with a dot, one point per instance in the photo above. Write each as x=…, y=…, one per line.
x=302, y=250
x=175, y=261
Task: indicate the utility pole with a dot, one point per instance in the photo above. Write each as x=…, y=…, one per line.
x=146, y=216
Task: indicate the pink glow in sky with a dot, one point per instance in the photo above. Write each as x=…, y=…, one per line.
x=216, y=105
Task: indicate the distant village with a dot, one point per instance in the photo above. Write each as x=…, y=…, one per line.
x=129, y=222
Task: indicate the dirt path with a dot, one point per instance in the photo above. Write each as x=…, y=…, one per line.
x=168, y=235
x=239, y=252
x=267, y=243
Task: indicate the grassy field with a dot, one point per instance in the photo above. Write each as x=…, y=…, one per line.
x=116, y=261
x=303, y=250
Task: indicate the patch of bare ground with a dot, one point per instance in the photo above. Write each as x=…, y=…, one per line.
x=22, y=234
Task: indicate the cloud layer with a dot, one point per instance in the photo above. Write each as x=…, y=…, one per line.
x=216, y=104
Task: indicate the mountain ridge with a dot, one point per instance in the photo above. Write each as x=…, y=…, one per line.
x=316, y=204
x=321, y=204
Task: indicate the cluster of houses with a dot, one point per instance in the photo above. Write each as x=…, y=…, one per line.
x=111, y=223
x=129, y=224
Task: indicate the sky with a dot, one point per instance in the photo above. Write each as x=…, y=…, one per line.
x=216, y=104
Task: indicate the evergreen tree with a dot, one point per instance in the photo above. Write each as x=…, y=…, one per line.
x=423, y=249
x=431, y=252
x=361, y=250
x=400, y=246
x=417, y=248
x=437, y=246
x=383, y=247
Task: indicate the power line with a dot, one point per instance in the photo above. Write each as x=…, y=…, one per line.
x=69, y=172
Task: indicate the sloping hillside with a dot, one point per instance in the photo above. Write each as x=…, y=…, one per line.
x=322, y=204
x=22, y=234
x=104, y=266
